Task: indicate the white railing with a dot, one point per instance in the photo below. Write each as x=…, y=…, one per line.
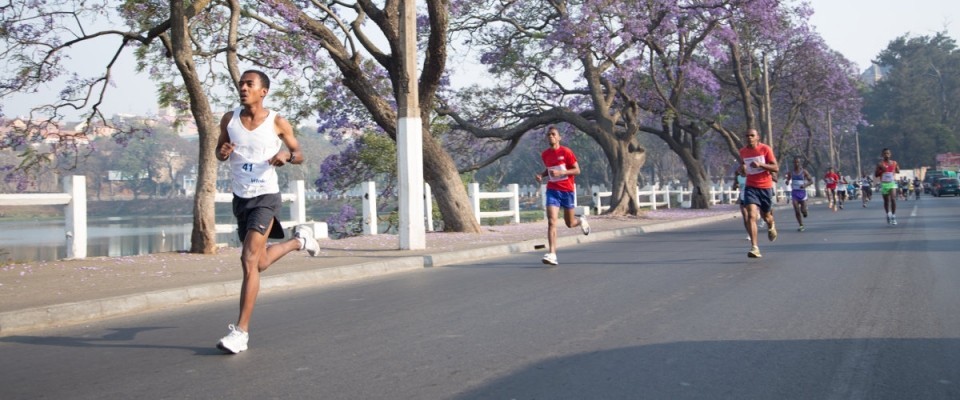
x=74, y=196
x=656, y=197
x=512, y=193
x=371, y=218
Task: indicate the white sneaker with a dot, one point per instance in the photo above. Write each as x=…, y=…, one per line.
x=893, y=219
x=550, y=258
x=584, y=225
x=309, y=244
x=235, y=341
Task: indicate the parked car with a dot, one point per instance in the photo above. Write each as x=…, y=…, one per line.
x=944, y=186
x=932, y=176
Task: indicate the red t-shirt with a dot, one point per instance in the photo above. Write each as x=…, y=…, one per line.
x=560, y=159
x=758, y=177
x=831, y=178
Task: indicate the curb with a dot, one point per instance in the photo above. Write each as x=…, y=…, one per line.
x=12, y=322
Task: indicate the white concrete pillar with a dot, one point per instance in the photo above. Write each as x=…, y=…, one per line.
x=410, y=159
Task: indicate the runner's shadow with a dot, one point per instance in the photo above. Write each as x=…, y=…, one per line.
x=108, y=340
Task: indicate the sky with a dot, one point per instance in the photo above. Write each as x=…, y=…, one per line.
x=858, y=29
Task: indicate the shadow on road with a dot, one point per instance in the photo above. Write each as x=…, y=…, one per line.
x=793, y=369
x=114, y=340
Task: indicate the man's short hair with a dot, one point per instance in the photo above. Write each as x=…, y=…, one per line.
x=264, y=79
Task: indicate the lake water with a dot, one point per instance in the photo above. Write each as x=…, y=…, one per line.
x=45, y=240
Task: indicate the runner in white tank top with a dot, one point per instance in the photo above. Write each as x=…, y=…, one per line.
x=252, y=138
x=250, y=167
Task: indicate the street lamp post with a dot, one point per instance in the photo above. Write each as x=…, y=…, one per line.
x=856, y=133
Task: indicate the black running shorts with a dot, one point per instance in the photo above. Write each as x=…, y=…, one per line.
x=257, y=213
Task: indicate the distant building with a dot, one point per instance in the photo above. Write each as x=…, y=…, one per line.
x=874, y=74
x=48, y=132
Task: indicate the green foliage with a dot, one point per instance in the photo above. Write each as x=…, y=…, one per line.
x=379, y=153
x=915, y=109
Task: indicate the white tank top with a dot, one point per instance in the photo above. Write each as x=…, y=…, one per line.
x=249, y=163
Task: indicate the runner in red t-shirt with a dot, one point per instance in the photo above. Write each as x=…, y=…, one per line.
x=561, y=166
x=760, y=165
x=831, y=179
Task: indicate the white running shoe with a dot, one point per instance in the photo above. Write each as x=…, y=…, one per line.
x=893, y=219
x=235, y=341
x=584, y=225
x=309, y=244
x=550, y=259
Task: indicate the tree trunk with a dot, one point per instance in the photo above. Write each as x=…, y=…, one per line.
x=700, y=197
x=625, y=158
x=204, y=236
x=441, y=173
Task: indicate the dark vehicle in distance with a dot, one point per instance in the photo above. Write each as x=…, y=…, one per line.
x=932, y=176
x=944, y=186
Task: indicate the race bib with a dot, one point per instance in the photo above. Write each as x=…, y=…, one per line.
x=251, y=164
x=560, y=168
x=754, y=170
x=796, y=184
x=887, y=177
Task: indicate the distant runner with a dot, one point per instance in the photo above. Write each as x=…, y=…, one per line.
x=887, y=170
x=866, y=189
x=841, y=191
x=831, y=178
x=799, y=179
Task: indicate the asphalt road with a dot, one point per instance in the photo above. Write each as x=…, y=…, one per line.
x=850, y=309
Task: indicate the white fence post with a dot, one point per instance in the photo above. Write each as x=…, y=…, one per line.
x=428, y=206
x=543, y=199
x=512, y=194
x=76, y=216
x=597, y=204
x=74, y=200
x=298, y=208
x=653, y=197
x=475, y=199
x=370, y=219
x=515, y=201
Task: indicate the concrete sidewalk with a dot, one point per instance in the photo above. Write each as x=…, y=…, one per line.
x=49, y=294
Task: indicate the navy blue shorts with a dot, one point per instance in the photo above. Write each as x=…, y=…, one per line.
x=257, y=213
x=556, y=198
x=763, y=198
